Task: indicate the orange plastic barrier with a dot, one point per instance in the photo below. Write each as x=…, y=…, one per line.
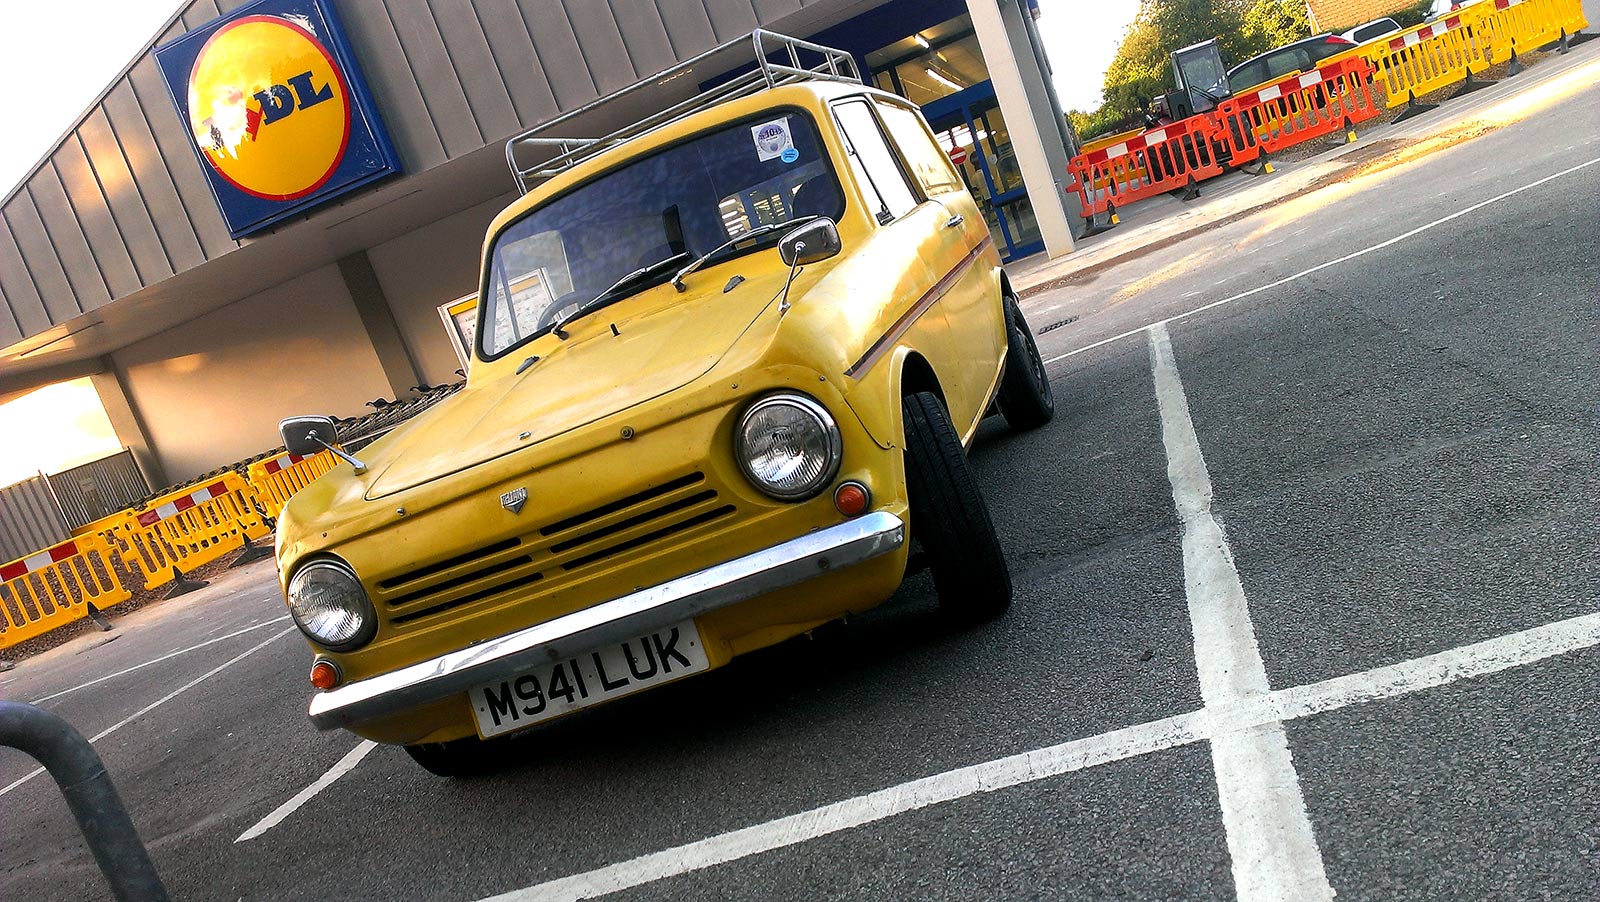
x=1297, y=108
x=192, y=526
x=1160, y=160
x=54, y=587
x=276, y=479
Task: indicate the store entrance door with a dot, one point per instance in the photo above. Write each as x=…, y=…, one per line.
x=972, y=130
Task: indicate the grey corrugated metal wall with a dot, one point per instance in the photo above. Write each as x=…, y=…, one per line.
x=29, y=519
x=122, y=203
x=99, y=488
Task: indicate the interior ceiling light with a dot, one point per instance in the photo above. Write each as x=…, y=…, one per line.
x=921, y=41
x=942, y=80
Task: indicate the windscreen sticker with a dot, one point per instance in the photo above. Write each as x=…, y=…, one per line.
x=789, y=155
x=772, y=138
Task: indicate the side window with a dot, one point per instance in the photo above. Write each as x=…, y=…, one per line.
x=927, y=161
x=874, y=166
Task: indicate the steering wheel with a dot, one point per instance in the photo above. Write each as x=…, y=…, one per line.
x=561, y=305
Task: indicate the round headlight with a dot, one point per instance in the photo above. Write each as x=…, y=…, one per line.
x=328, y=604
x=788, y=446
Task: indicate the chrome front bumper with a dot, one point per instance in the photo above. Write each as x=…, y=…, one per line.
x=630, y=616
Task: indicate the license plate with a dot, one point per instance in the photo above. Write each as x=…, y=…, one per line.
x=551, y=690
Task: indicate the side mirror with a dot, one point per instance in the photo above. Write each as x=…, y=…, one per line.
x=304, y=436
x=815, y=241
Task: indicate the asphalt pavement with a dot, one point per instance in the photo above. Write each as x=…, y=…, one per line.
x=1307, y=604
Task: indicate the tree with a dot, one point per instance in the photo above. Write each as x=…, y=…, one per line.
x=1243, y=29
x=1266, y=24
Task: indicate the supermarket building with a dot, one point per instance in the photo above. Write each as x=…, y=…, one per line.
x=206, y=302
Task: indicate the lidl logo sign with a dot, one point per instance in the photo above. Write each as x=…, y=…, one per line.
x=277, y=110
x=270, y=134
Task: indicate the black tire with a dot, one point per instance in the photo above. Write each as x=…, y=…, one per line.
x=1026, y=399
x=949, y=518
x=458, y=758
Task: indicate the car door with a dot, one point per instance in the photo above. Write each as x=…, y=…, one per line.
x=971, y=300
x=915, y=242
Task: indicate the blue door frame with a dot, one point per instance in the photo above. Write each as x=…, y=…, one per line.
x=966, y=106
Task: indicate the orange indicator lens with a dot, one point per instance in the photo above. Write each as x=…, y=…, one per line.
x=324, y=675
x=852, y=499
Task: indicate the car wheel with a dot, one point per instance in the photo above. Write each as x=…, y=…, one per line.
x=458, y=758
x=1026, y=400
x=949, y=519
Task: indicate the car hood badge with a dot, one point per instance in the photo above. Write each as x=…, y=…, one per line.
x=514, y=500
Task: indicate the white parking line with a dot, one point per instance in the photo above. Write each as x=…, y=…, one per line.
x=345, y=765
x=1321, y=266
x=159, y=702
x=874, y=806
x=1275, y=855
x=1466, y=662
x=181, y=651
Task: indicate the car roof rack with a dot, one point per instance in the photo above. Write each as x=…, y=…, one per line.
x=836, y=65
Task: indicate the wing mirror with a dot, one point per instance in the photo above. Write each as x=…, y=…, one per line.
x=305, y=436
x=813, y=242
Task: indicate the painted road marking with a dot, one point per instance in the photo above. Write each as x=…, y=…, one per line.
x=181, y=651
x=1322, y=266
x=1466, y=662
x=160, y=701
x=345, y=765
x=1275, y=854
x=989, y=776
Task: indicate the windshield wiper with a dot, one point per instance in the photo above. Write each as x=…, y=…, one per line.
x=757, y=232
x=614, y=292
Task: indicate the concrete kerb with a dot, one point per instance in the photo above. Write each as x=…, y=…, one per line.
x=1376, y=151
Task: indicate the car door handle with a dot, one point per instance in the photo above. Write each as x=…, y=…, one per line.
x=954, y=221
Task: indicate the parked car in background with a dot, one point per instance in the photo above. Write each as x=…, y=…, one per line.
x=1377, y=28
x=1441, y=7
x=1300, y=56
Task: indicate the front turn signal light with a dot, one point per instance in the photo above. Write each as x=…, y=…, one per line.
x=324, y=675
x=852, y=499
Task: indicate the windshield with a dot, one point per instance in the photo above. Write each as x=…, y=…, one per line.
x=677, y=203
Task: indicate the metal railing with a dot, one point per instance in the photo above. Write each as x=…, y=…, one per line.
x=834, y=65
x=73, y=764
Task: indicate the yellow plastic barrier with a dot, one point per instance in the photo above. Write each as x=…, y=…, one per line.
x=276, y=479
x=1429, y=57
x=1109, y=141
x=54, y=587
x=1517, y=26
x=192, y=526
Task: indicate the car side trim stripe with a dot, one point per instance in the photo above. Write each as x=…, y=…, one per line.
x=882, y=345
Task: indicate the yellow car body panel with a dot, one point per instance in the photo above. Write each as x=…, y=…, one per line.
x=635, y=412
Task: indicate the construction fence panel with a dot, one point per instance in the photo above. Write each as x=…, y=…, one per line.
x=99, y=489
x=29, y=518
x=1160, y=160
x=1425, y=58
x=276, y=479
x=1298, y=108
x=54, y=587
x=190, y=527
x=1517, y=26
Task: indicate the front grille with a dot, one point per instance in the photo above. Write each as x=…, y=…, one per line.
x=556, y=552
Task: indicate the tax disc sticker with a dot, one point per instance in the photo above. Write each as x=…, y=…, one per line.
x=789, y=155
x=772, y=138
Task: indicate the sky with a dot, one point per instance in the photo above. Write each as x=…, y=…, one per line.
x=58, y=57
x=81, y=432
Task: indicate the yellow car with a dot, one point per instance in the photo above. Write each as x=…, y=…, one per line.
x=726, y=367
